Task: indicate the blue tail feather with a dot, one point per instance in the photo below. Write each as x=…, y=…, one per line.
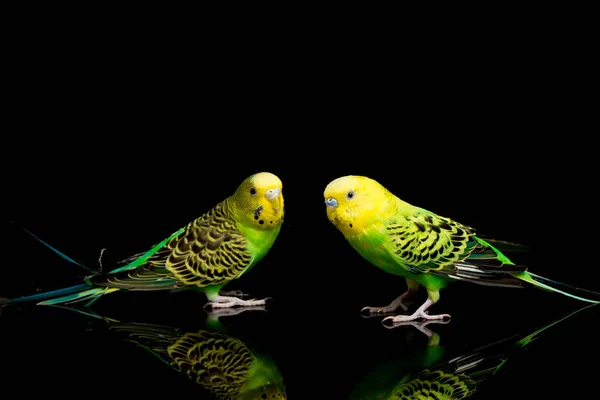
x=61, y=254
x=47, y=295
x=68, y=295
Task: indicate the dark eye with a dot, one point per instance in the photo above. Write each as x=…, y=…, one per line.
x=350, y=194
x=252, y=191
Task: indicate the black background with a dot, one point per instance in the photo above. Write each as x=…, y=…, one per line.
x=118, y=151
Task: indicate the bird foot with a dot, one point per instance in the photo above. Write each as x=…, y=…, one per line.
x=369, y=312
x=229, y=312
x=423, y=315
x=377, y=314
x=234, y=293
x=228, y=302
x=419, y=325
x=399, y=302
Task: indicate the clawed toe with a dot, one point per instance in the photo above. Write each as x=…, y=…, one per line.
x=388, y=322
x=377, y=314
x=375, y=311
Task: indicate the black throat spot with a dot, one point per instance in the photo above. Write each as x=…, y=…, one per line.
x=257, y=212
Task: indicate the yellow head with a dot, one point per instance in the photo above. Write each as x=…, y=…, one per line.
x=259, y=200
x=354, y=202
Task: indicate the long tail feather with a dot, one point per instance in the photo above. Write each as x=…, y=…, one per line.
x=61, y=254
x=92, y=295
x=559, y=287
x=69, y=295
x=47, y=295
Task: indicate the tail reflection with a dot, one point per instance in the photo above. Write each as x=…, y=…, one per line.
x=422, y=375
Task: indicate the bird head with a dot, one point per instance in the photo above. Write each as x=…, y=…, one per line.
x=352, y=202
x=260, y=198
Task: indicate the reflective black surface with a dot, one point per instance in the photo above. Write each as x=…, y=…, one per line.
x=313, y=332
x=50, y=350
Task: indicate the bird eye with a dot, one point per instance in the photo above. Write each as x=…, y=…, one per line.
x=252, y=191
x=350, y=194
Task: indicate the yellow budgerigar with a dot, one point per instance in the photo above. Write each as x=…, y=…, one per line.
x=211, y=251
x=425, y=248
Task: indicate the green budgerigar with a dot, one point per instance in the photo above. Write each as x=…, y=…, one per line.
x=425, y=248
x=211, y=251
x=213, y=358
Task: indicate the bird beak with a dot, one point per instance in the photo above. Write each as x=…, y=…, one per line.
x=272, y=193
x=331, y=202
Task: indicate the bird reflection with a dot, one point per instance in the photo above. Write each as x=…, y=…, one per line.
x=212, y=357
x=422, y=374
x=419, y=325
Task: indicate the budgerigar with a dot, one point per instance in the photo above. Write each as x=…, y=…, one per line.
x=214, y=359
x=211, y=251
x=426, y=249
x=424, y=374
